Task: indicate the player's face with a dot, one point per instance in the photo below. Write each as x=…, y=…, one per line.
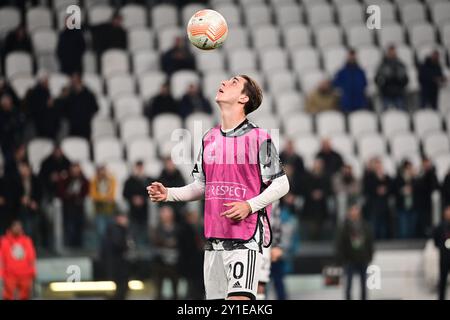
x=230, y=91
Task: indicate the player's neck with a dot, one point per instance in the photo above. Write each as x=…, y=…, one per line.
x=231, y=120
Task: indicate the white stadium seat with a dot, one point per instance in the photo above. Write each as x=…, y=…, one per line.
x=57, y=82
x=334, y=58
x=38, y=149
x=295, y=36
x=140, y=38
x=307, y=146
x=120, y=84
x=435, y=143
x=240, y=59
x=99, y=14
x=391, y=33
x=298, y=123
x=114, y=61
x=38, y=17
x=362, y=122
x=141, y=149
x=210, y=61
x=18, y=63
x=440, y=12
x=289, y=102
x=240, y=38
x=163, y=16
x=265, y=36
x=76, y=149
x=164, y=124
x=305, y=58
x=329, y=123
x=145, y=61
x=422, y=34
x=359, y=35
x=350, y=14
x=371, y=145
x=343, y=144
x=319, y=14
x=93, y=82
x=127, y=106
x=134, y=127
x=394, y=121
x=133, y=16
x=166, y=37
x=412, y=13
x=22, y=84
x=231, y=13
x=288, y=14
x=310, y=79
x=442, y=164
x=281, y=81
x=403, y=144
x=181, y=80
x=328, y=36
x=189, y=10
x=426, y=121
x=107, y=149
x=257, y=15
x=9, y=19
x=150, y=83
x=273, y=60
x=102, y=127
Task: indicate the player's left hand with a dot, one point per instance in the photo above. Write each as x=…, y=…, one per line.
x=238, y=211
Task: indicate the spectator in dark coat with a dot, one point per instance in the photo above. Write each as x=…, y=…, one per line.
x=134, y=191
x=354, y=249
x=351, y=82
x=6, y=89
x=26, y=196
x=378, y=188
x=81, y=108
x=331, y=159
x=445, y=190
x=177, y=58
x=162, y=103
x=392, y=79
x=194, y=101
x=441, y=237
x=53, y=169
x=317, y=188
x=426, y=184
x=171, y=176
x=17, y=40
x=289, y=157
x=115, y=247
x=73, y=190
x=431, y=78
x=110, y=35
x=70, y=50
x=6, y=215
x=11, y=127
x=406, y=195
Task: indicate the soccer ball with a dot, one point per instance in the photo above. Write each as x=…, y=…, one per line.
x=207, y=29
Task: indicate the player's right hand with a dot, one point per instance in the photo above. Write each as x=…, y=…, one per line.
x=157, y=192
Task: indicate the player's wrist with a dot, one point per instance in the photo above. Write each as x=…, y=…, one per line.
x=249, y=207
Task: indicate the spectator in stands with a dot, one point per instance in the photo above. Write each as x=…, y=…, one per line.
x=441, y=237
x=17, y=40
x=177, y=58
x=406, y=193
x=165, y=240
x=110, y=35
x=317, y=189
x=194, y=101
x=70, y=50
x=163, y=102
x=6, y=89
x=331, y=159
x=354, y=249
x=17, y=263
x=73, y=188
x=445, y=190
x=171, y=176
x=38, y=102
x=134, y=191
x=351, y=83
x=5, y=205
x=392, y=78
x=431, y=78
x=12, y=165
x=81, y=108
x=191, y=246
x=11, y=127
x=26, y=194
x=426, y=184
x=323, y=98
x=115, y=247
x=347, y=183
x=103, y=192
x=378, y=188
x=289, y=157
x=53, y=168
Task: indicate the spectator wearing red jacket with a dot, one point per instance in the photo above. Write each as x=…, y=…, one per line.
x=17, y=263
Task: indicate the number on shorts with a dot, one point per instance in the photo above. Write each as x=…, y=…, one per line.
x=239, y=275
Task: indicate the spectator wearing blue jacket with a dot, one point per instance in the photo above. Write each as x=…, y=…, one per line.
x=351, y=82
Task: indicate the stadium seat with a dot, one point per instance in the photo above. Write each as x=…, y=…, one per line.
x=305, y=58
x=163, y=16
x=288, y=102
x=231, y=13
x=114, y=61
x=440, y=13
x=334, y=58
x=88, y=169
x=145, y=61
x=371, y=145
x=389, y=12
x=133, y=16
x=120, y=84
x=140, y=38
x=369, y=58
x=18, y=63
x=211, y=82
x=350, y=14
x=104, y=106
x=99, y=14
x=150, y=83
x=403, y=144
x=329, y=123
x=319, y=14
x=255, y=15
x=9, y=20
x=359, y=35
x=265, y=36
x=391, y=33
x=44, y=40
x=127, y=106
x=181, y=80
x=38, y=149
x=93, y=82
x=297, y=123
x=76, y=149
x=240, y=39
x=362, y=122
x=241, y=59
x=422, y=34
x=442, y=164
x=47, y=61
x=273, y=60
x=57, y=82
x=435, y=143
x=210, y=61
x=342, y=144
x=444, y=103
x=394, y=121
x=307, y=146
x=426, y=121
x=107, y=149
x=163, y=125
x=22, y=84
x=198, y=123
x=153, y=168
x=412, y=13
x=38, y=17
x=296, y=36
x=189, y=10
x=328, y=36
x=134, y=127
x=102, y=127
x=406, y=55
x=89, y=62
x=142, y=149
x=310, y=79
x=288, y=14
x=356, y=165
x=119, y=169
x=281, y=81
x=166, y=37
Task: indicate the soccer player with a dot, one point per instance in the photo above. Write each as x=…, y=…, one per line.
x=239, y=174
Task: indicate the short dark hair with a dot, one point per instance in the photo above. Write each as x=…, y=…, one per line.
x=254, y=93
